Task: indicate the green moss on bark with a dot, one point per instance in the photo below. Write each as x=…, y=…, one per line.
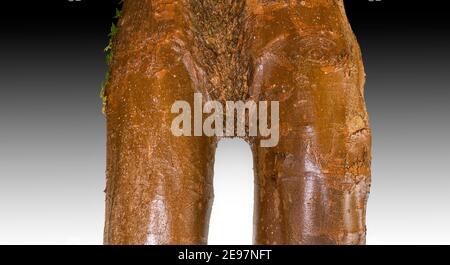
x=109, y=54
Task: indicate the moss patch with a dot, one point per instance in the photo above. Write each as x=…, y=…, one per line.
x=110, y=53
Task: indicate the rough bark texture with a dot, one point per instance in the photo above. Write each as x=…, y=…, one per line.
x=310, y=189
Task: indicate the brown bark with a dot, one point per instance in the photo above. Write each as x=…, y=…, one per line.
x=311, y=188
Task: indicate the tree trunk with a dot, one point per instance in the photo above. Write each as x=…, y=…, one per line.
x=311, y=188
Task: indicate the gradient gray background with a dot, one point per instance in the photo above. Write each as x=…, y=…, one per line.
x=52, y=135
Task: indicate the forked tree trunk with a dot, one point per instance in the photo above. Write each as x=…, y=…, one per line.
x=311, y=188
